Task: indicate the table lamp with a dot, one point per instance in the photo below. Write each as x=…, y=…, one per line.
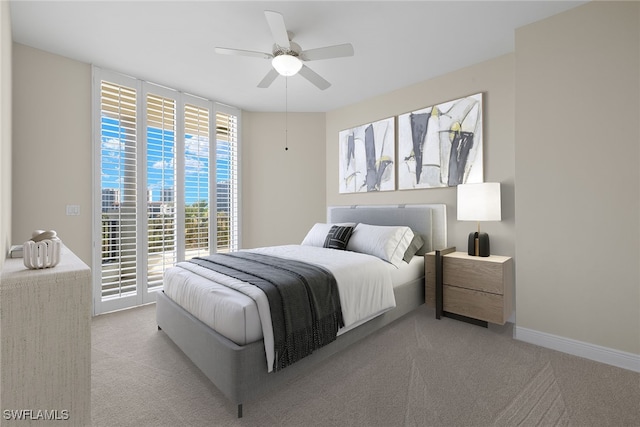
x=479, y=202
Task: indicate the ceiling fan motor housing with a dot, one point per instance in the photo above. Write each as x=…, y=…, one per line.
x=294, y=50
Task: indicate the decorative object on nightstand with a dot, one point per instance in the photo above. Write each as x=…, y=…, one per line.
x=479, y=202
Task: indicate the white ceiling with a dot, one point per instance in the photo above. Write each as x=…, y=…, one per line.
x=396, y=43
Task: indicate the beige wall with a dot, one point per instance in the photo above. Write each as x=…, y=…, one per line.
x=283, y=192
x=52, y=160
x=5, y=130
x=578, y=187
x=495, y=79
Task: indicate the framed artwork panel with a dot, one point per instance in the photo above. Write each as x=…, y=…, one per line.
x=441, y=146
x=367, y=156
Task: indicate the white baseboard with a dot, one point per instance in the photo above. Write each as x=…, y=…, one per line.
x=598, y=353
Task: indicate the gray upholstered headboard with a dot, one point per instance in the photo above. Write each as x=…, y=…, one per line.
x=430, y=221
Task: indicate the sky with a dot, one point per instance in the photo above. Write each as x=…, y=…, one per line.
x=160, y=161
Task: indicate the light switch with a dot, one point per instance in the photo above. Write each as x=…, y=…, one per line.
x=73, y=210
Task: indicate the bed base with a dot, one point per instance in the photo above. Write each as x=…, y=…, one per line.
x=240, y=372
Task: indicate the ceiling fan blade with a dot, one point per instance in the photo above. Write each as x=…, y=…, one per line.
x=278, y=29
x=240, y=52
x=337, y=51
x=314, y=77
x=268, y=79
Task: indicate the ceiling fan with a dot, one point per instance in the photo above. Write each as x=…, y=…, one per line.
x=287, y=57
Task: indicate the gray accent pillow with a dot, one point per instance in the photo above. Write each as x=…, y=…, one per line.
x=338, y=237
x=318, y=233
x=414, y=246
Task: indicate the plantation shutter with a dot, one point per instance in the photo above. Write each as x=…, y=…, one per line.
x=159, y=181
x=161, y=187
x=197, y=177
x=227, y=181
x=118, y=153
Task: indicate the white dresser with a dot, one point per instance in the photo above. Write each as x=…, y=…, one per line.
x=45, y=343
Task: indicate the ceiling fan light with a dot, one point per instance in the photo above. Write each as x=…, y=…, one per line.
x=286, y=65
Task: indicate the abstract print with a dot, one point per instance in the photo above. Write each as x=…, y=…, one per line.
x=367, y=157
x=441, y=146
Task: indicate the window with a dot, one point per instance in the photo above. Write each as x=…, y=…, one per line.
x=155, y=179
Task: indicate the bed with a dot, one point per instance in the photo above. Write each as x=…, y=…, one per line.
x=236, y=359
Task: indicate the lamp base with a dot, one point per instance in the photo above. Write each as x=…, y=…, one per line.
x=478, y=244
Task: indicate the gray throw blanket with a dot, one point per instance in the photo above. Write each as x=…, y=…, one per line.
x=303, y=298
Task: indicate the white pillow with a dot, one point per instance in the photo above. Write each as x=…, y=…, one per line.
x=318, y=233
x=388, y=243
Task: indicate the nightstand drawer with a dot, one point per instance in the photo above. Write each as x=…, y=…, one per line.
x=476, y=287
x=474, y=274
x=470, y=303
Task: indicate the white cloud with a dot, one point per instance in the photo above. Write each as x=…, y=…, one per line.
x=197, y=146
x=113, y=144
x=163, y=164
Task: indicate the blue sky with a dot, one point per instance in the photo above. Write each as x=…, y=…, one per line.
x=160, y=161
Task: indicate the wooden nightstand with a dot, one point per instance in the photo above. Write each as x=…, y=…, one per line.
x=475, y=287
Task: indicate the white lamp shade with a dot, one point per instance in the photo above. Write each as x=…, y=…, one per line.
x=286, y=65
x=479, y=202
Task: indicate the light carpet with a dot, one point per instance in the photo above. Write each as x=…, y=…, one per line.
x=418, y=371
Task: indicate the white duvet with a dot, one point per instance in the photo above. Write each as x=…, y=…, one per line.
x=364, y=283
